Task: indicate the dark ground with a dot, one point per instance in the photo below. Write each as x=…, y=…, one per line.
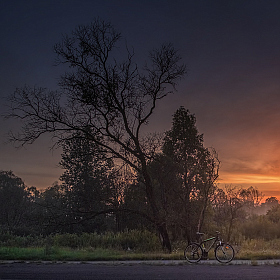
x=136, y=271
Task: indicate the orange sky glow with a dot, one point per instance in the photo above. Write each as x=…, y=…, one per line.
x=268, y=185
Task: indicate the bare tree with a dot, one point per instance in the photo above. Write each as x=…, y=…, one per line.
x=106, y=101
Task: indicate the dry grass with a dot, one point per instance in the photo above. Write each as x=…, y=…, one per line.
x=257, y=249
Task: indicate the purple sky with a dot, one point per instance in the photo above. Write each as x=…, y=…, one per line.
x=232, y=52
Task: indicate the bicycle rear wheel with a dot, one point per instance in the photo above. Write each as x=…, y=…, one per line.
x=193, y=253
x=224, y=253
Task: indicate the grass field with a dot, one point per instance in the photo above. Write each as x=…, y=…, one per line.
x=100, y=254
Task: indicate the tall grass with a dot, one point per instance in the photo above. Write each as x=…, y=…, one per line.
x=136, y=240
x=259, y=249
x=132, y=244
x=128, y=240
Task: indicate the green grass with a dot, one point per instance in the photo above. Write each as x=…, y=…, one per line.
x=100, y=254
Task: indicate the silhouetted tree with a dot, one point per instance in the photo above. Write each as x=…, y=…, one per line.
x=272, y=201
x=54, y=215
x=197, y=167
x=168, y=189
x=90, y=183
x=232, y=203
x=86, y=176
x=15, y=202
x=105, y=101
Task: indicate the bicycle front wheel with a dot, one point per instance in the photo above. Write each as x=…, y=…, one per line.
x=224, y=253
x=193, y=253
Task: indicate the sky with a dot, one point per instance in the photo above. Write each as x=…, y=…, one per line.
x=231, y=49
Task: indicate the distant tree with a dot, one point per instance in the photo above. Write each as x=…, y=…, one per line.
x=266, y=224
x=252, y=196
x=15, y=202
x=86, y=176
x=232, y=204
x=89, y=181
x=273, y=214
x=105, y=101
x=272, y=201
x=269, y=203
x=53, y=214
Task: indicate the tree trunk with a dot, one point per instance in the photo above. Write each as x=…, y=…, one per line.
x=164, y=237
x=187, y=208
x=159, y=221
x=202, y=214
x=229, y=229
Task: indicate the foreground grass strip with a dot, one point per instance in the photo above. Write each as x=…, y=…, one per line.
x=90, y=254
x=99, y=254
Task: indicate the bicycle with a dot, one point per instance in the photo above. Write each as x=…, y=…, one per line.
x=194, y=252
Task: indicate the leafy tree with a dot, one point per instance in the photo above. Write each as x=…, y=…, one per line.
x=107, y=102
x=15, y=202
x=89, y=181
x=166, y=184
x=86, y=176
x=271, y=202
x=196, y=166
x=53, y=214
x=265, y=226
x=233, y=204
x=273, y=214
x=134, y=212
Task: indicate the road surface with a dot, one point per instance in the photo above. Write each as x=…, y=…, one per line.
x=136, y=271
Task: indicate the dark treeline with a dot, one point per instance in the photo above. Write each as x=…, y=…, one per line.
x=97, y=196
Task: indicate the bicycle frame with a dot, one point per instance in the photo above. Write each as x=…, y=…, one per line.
x=215, y=240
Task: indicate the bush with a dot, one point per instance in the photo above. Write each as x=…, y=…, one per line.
x=11, y=240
